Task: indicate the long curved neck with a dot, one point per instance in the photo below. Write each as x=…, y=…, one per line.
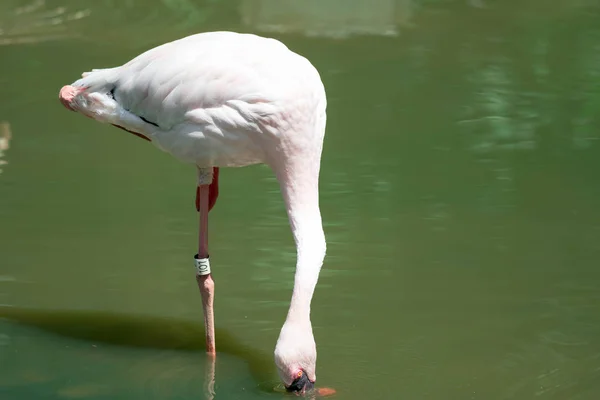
x=301, y=195
x=310, y=247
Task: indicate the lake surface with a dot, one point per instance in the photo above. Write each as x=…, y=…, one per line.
x=460, y=190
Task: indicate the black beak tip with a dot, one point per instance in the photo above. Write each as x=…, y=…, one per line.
x=301, y=384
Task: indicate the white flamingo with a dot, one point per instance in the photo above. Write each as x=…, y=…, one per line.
x=225, y=99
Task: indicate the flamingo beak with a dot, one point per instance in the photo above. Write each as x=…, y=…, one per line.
x=301, y=384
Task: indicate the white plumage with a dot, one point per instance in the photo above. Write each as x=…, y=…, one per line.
x=224, y=99
x=219, y=99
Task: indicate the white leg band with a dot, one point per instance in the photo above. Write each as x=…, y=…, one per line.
x=202, y=265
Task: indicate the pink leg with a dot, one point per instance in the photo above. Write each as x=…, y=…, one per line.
x=205, y=282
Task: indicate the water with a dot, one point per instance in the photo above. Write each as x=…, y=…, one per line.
x=459, y=192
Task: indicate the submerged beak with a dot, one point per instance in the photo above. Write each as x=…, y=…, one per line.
x=301, y=384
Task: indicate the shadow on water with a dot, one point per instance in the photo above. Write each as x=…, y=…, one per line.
x=143, y=331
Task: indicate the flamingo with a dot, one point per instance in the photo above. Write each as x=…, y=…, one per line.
x=227, y=99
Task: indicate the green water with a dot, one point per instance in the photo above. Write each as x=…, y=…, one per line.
x=459, y=189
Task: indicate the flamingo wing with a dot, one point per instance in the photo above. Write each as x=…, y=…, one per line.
x=222, y=87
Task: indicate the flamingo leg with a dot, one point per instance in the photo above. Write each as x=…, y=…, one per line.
x=204, y=280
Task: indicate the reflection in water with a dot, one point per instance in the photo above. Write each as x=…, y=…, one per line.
x=491, y=126
x=36, y=21
x=209, y=378
x=5, y=137
x=332, y=18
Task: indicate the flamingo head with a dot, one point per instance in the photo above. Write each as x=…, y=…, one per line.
x=96, y=105
x=296, y=357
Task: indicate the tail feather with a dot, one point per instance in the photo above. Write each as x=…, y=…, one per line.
x=93, y=70
x=98, y=80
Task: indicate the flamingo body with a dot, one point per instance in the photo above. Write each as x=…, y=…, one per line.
x=212, y=99
x=224, y=99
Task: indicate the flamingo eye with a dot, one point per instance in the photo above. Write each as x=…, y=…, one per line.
x=299, y=374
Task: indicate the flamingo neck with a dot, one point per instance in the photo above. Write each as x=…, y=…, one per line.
x=310, y=244
x=300, y=189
